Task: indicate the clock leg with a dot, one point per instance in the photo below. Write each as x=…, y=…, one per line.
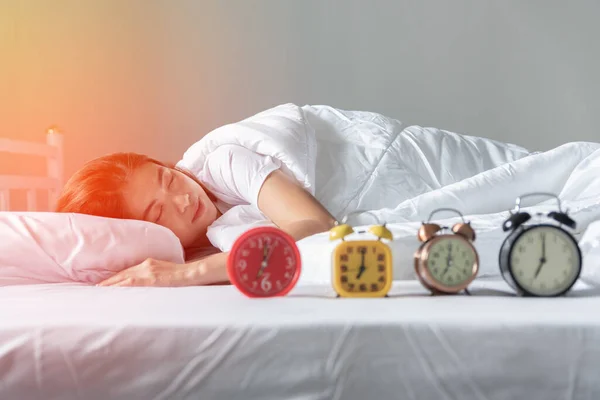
x=467, y=292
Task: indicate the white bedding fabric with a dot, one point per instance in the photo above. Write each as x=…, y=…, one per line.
x=356, y=160
x=67, y=341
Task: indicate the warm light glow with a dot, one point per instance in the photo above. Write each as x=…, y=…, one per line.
x=116, y=75
x=53, y=129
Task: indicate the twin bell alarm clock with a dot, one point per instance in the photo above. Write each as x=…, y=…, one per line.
x=540, y=259
x=361, y=268
x=446, y=262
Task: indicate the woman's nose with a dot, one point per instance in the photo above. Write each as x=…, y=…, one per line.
x=182, y=201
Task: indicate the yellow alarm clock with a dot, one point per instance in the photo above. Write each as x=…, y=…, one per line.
x=361, y=268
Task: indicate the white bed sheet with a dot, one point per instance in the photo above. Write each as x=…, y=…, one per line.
x=65, y=341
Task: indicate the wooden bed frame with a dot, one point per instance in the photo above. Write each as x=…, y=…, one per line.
x=52, y=150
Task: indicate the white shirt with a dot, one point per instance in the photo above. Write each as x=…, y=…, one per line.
x=235, y=175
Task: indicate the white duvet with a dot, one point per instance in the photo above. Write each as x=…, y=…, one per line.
x=353, y=160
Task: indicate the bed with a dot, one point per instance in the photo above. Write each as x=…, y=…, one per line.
x=77, y=341
x=74, y=340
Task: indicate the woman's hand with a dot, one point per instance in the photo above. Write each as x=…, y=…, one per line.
x=205, y=271
x=152, y=272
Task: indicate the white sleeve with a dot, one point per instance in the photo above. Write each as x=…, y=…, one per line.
x=235, y=174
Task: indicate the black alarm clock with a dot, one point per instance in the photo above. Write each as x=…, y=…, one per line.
x=540, y=259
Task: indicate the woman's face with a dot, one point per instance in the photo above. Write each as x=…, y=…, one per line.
x=172, y=199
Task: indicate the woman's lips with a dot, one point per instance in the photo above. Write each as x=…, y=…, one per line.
x=198, y=211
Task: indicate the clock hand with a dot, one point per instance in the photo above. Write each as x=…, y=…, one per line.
x=543, y=259
x=539, y=268
x=264, y=262
x=360, y=272
x=448, y=260
x=362, y=265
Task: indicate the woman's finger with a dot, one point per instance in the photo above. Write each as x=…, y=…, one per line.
x=112, y=280
x=125, y=282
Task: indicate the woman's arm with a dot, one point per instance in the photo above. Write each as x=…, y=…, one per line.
x=292, y=208
x=208, y=270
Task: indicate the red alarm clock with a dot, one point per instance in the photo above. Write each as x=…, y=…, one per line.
x=264, y=262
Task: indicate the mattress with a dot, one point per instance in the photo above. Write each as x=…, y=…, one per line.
x=68, y=341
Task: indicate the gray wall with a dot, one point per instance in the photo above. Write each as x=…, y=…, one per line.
x=153, y=76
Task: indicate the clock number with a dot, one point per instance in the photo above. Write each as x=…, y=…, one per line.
x=252, y=244
x=381, y=268
x=344, y=279
x=286, y=251
x=380, y=257
x=349, y=249
x=290, y=262
x=265, y=284
x=242, y=264
x=245, y=253
x=344, y=257
x=374, y=287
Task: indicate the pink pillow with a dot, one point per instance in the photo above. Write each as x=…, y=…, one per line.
x=46, y=247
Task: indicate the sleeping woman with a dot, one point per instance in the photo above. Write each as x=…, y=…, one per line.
x=134, y=186
x=299, y=168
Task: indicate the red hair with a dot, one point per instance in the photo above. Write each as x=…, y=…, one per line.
x=97, y=188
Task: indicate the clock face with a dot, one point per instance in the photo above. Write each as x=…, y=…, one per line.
x=362, y=268
x=264, y=262
x=451, y=260
x=545, y=260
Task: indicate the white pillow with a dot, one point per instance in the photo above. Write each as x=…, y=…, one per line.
x=46, y=247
